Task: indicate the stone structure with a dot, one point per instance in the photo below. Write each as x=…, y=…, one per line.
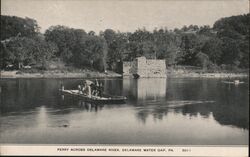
x=143, y=67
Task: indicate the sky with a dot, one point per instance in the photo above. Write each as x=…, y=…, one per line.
x=124, y=15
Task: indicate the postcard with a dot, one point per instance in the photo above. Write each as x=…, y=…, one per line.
x=124, y=77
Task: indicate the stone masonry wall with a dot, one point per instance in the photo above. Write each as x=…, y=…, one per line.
x=146, y=67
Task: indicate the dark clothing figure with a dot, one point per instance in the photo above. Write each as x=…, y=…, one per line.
x=97, y=88
x=101, y=89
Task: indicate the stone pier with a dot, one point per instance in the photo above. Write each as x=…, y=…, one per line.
x=145, y=68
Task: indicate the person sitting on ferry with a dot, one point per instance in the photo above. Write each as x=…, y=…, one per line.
x=93, y=91
x=101, y=89
x=84, y=88
x=79, y=89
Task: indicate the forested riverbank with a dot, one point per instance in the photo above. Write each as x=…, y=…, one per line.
x=223, y=47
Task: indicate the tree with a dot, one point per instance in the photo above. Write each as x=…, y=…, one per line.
x=18, y=51
x=244, y=48
x=77, y=47
x=90, y=53
x=23, y=50
x=234, y=33
x=66, y=39
x=213, y=49
x=12, y=26
x=188, y=50
x=202, y=60
x=44, y=51
x=116, y=47
x=231, y=54
x=238, y=24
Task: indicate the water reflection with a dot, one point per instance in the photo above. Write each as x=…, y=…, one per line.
x=196, y=97
x=90, y=106
x=145, y=89
x=150, y=88
x=35, y=106
x=42, y=118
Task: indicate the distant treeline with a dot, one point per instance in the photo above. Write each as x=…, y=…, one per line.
x=225, y=46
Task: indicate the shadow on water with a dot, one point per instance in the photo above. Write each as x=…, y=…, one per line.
x=78, y=104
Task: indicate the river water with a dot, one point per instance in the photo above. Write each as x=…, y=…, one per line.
x=158, y=111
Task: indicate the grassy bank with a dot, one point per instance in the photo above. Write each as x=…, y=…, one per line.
x=207, y=75
x=191, y=72
x=56, y=74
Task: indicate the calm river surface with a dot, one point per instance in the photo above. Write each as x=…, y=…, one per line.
x=158, y=111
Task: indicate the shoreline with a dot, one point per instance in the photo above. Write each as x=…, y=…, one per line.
x=51, y=74
x=208, y=75
x=110, y=74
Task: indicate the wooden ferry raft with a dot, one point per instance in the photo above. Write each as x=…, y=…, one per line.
x=96, y=99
